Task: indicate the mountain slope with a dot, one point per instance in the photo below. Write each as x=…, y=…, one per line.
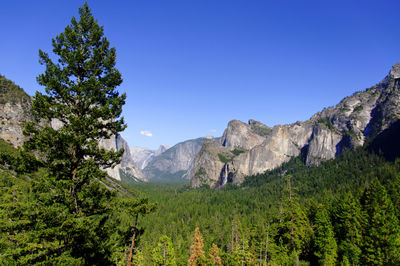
x=349, y=124
x=143, y=156
x=173, y=164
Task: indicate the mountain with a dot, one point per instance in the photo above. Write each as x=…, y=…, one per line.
x=14, y=111
x=252, y=148
x=15, y=107
x=142, y=156
x=173, y=164
x=127, y=171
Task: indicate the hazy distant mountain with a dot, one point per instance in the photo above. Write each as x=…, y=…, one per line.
x=173, y=164
x=249, y=149
x=142, y=156
x=127, y=171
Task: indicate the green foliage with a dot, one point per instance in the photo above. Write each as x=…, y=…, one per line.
x=11, y=93
x=381, y=231
x=225, y=158
x=246, y=222
x=163, y=253
x=238, y=151
x=294, y=228
x=324, y=238
x=72, y=205
x=20, y=161
x=201, y=174
x=347, y=219
x=326, y=122
x=358, y=108
x=261, y=129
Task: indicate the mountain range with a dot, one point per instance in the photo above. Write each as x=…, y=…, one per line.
x=252, y=148
x=245, y=149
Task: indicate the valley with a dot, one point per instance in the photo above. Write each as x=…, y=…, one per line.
x=75, y=191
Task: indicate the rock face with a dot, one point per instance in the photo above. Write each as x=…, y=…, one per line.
x=143, y=156
x=127, y=171
x=174, y=163
x=211, y=159
x=14, y=111
x=15, y=107
x=239, y=135
x=254, y=148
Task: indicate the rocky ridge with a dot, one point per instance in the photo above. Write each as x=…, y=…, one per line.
x=255, y=148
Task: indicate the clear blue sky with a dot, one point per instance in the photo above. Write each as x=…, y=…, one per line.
x=191, y=66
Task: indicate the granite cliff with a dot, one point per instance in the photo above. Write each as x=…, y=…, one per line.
x=174, y=163
x=249, y=149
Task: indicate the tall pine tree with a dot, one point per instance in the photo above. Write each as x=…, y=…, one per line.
x=72, y=205
x=294, y=229
x=324, y=239
x=381, y=231
x=348, y=220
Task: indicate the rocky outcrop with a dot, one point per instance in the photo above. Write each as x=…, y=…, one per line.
x=256, y=147
x=239, y=135
x=212, y=158
x=14, y=111
x=174, y=163
x=143, y=156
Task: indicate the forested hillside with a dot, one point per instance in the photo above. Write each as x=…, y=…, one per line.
x=344, y=211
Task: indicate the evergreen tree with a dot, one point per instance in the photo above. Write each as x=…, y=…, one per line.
x=348, y=219
x=196, y=250
x=71, y=207
x=81, y=95
x=294, y=228
x=138, y=259
x=241, y=255
x=324, y=239
x=381, y=232
x=164, y=253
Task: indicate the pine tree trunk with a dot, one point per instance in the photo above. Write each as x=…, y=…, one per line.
x=133, y=242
